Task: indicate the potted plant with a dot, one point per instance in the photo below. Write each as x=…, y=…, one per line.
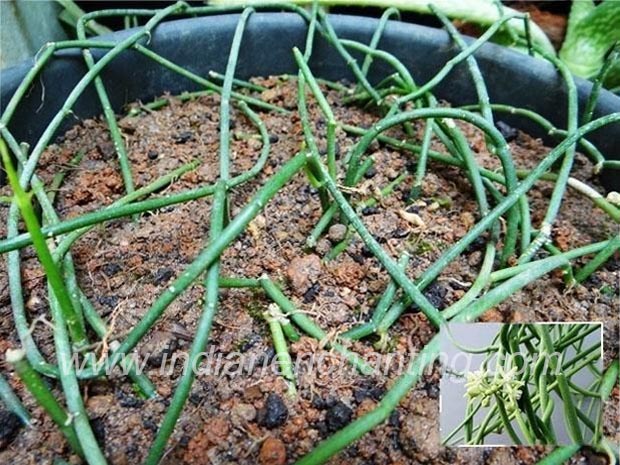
x=381, y=281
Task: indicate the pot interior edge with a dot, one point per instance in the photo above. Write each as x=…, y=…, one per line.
x=201, y=45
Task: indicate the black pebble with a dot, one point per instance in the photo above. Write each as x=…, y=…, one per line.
x=411, y=166
x=368, y=391
x=274, y=413
x=152, y=154
x=366, y=252
x=108, y=301
x=98, y=427
x=366, y=211
x=394, y=419
x=507, y=131
x=370, y=172
x=195, y=398
x=273, y=138
x=612, y=264
x=338, y=416
x=10, y=424
x=311, y=293
x=435, y=293
x=318, y=402
x=399, y=233
x=150, y=425
x=110, y=269
x=266, y=357
x=162, y=276
x=323, y=403
x=183, y=137
x=357, y=258
x=321, y=427
x=432, y=389
x=127, y=400
x=249, y=342
x=448, y=454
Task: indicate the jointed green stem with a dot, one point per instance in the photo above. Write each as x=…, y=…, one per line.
x=275, y=319
x=511, y=204
x=54, y=277
x=108, y=112
x=218, y=218
x=309, y=327
x=389, y=264
x=210, y=253
x=39, y=390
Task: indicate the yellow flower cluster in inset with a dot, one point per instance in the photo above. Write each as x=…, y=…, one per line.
x=504, y=383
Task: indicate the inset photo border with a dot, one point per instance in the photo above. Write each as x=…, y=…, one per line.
x=521, y=384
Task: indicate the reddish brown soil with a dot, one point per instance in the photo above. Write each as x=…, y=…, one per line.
x=125, y=264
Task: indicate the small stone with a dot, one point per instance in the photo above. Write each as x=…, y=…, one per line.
x=108, y=300
x=273, y=138
x=272, y=452
x=468, y=219
x=614, y=197
x=252, y=393
x=507, y=131
x=394, y=419
x=436, y=293
x=391, y=174
x=110, y=269
x=338, y=416
x=10, y=424
x=162, y=276
x=98, y=406
x=368, y=390
x=366, y=211
x=323, y=246
x=310, y=294
x=337, y=232
x=159, y=345
x=412, y=218
x=106, y=149
x=303, y=272
x=152, y=154
x=418, y=434
x=34, y=303
x=432, y=389
x=245, y=411
x=274, y=413
x=183, y=137
x=370, y=172
x=126, y=400
x=476, y=245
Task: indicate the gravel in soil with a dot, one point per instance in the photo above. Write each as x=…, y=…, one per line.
x=244, y=414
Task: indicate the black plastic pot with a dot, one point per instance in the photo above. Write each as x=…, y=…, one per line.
x=202, y=44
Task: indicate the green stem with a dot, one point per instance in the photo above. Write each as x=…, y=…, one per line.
x=274, y=317
x=43, y=395
x=22, y=200
x=403, y=385
x=12, y=402
x=309, y=327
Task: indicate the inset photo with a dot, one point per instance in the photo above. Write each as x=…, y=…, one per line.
x=521, y=384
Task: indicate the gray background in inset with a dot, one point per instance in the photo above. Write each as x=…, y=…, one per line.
x=453, y=402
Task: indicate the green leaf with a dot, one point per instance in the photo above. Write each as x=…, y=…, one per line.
x=591, y=33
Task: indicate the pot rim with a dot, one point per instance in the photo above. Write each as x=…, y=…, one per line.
x=511, y=77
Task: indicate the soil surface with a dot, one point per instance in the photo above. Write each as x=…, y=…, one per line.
x=248, y=417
